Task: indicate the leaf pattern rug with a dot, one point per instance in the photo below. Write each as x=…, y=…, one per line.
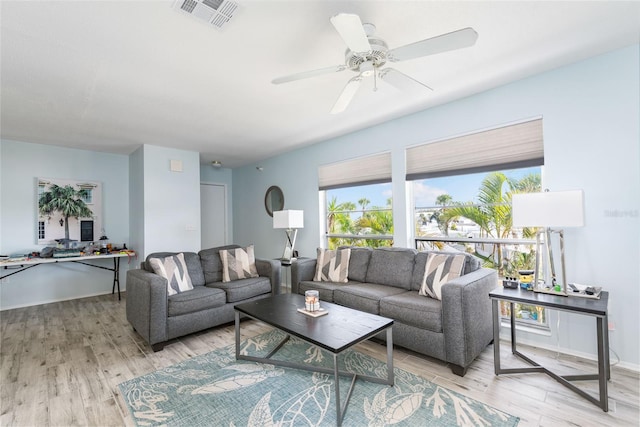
x=215, y=389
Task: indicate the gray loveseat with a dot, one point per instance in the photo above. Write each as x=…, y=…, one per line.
x=159, y=318
x=386, y=281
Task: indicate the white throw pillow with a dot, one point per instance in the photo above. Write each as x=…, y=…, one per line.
x=332, y=265
x=438, y=270
x=174, y=269
x=239, y=263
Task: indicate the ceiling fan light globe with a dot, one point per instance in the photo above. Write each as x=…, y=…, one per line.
x=367, y=68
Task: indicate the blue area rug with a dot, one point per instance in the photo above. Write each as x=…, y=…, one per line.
x=217, y=390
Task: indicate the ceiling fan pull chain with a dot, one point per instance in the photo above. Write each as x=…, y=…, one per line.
x=375, y=80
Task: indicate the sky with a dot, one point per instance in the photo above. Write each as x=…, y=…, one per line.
x=461, y=188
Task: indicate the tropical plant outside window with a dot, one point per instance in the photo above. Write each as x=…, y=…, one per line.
x=359, y=216
x=440, y=212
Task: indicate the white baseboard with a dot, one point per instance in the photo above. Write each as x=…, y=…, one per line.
x=31, y=304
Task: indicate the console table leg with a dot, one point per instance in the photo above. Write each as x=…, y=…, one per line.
x=603, y=362
x=496, y=336
x=512, y=307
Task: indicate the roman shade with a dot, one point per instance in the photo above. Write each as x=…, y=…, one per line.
x=373, y=169
x=507, y=147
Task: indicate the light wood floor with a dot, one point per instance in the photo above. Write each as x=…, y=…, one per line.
x=61, y=363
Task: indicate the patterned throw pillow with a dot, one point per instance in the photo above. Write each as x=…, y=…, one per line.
x=174, y=269
x=332, y=266
x=438, y=270
x=238, y=263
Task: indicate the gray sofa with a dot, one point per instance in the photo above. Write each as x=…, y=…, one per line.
x=386, y=281
x=159, y=318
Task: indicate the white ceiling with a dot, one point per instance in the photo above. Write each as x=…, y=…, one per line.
x=112, y=75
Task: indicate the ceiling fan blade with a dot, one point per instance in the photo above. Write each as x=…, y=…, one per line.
x=350, y=28
x=347, y=95
x=402, y=81
x=443, y=43
x=307, y=74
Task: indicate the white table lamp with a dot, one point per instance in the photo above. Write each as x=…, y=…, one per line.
x=291, y=220
x=549, y=210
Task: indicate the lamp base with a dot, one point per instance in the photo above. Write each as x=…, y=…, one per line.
x=289, y=255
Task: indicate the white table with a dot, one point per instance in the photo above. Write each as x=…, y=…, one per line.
x=25, y=264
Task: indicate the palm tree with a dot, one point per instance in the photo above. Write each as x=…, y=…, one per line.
x=339, y=221
x=443, y=221
x=66, y=200
x=332, y=210
x=493, y=212
x=378, y=221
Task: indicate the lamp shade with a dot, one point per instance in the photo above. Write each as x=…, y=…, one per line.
x=548, y=209
x=288, y=219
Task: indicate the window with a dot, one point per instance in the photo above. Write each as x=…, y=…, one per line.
x=472, y=213
x=462, y=191
x=87, y=195
x=359, y=216
x=357, y=195
x=41, y=234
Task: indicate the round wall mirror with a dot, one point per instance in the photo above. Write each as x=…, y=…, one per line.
x=273, y=200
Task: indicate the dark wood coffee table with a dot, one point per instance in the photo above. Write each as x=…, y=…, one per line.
x=335, y=332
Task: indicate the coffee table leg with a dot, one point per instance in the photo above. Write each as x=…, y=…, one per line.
x=390, y=375
x=237, y=322
x=337, y=381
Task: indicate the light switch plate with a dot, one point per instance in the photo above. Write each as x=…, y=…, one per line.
x=176, y=166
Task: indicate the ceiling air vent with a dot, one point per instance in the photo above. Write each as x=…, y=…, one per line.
x=215, y=12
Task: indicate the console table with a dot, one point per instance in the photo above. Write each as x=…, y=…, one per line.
x=597, y=308
x=28, y=263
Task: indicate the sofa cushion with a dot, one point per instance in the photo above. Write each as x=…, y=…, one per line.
x=439, y=269
x=190, y=258
x=199, y=298
x=239, y=290
x=238, y=263
x=358, y=263
x=332, y=265
x=324, y=288
x=471, y=264
x=212, y=264
x=174, y=269
x=411, y=309
x=364, y=296
x=391, y=266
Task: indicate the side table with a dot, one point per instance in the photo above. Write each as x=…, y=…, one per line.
x=285, y=274
x=597, y=308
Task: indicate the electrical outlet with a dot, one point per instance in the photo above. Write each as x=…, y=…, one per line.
x=612, y=326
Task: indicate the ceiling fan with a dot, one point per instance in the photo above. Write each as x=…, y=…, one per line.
x=366, y=54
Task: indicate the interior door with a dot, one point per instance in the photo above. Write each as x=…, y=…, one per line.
x=213, y=215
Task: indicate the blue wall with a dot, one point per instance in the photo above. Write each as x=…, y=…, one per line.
x=21, y=163
x=590, y=112
x=171, y=201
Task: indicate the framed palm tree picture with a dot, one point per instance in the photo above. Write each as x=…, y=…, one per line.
x=69, y=211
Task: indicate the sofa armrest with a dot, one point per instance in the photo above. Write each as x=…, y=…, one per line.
x=466, y=315
x=302, y=270
x=147, y=304
x=270, y=268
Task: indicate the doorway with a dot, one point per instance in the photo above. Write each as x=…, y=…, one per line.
x=213, y=215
